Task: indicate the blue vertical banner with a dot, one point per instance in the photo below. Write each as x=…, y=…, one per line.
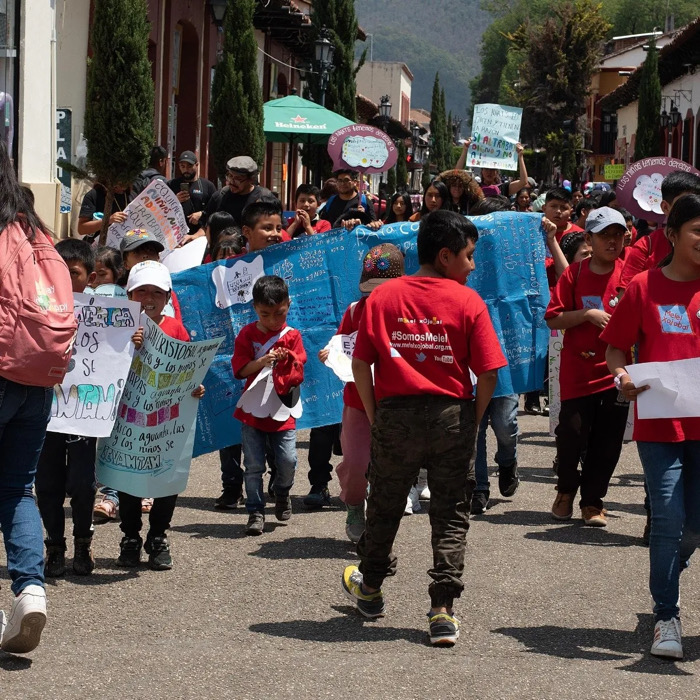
x=323, y=273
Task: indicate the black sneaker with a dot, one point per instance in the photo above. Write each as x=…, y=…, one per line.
x=130, y=552
x=83, y=561
x=533, y=408
x=480, y=502
x=443, y=629
x=55, y=565
x=230, y=498
x=508, y=480
x=256, y=524
x=318, y=497
x=158, y=551
x=283, y=508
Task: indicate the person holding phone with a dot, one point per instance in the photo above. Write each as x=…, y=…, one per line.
x=193, y=191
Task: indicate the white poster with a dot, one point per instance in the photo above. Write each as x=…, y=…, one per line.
x=673, y=388
x=340, y=348
x=157, y=210
x=149, y=451
x=86, y=402
x=234, y=283
x=495, y=132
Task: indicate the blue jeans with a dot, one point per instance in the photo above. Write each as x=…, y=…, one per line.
x=503, y=413
x=284, y=446
x=672, y=471
x=24, y=415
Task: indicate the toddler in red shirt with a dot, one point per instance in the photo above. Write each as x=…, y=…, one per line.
x=423, y=333
x=268, y=413
x=660, y=313
x=149, y=283
x=593, y=416
x=382, y=263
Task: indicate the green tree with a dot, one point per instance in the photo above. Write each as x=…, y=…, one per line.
x=438, y=126
x=401, y=168
x=426, y=177
x=390, y=181
x=338, y=17
x=558, y=58
x=639, y=16
x=236, y=111
x=648, y=106
x=119, y=98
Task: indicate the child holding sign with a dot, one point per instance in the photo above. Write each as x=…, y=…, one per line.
x=382, y=263
x=149, y=283
x=67, y=462
x=660, y=312
x=271, y=347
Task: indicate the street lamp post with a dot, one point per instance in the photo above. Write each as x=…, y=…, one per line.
x=670, y=122
x=384, y=116
x=218, y=12
x=323, y=53
x=456, y=128
x=415, y=135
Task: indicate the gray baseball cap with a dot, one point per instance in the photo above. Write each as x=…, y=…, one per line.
x=242, y=164
x=600, y=219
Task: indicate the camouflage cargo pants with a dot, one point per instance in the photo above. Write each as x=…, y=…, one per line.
x=411, y=432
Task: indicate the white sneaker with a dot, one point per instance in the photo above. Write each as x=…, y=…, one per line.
x=26, y=621
x=422, y=485
x=414, y=499
x=667, y=639
x=408, y=510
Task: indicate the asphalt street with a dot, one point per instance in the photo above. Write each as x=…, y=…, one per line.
x=550, y=610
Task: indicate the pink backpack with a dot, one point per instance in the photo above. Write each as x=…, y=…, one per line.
x=37, y=323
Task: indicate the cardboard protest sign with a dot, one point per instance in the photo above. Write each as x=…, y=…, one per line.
x=86, y=402
x=495, y=132
x=322, y=272
x=639, y=189
x=363, y=148
x=157, y=210
x=148, y=453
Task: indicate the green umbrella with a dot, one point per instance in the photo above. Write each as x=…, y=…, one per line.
x=292, y=119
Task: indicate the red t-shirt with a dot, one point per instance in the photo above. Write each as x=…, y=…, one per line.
x=423, y=334
x=247, y=343
x=583, y=368
x=174, y=328
x=661, y=316
x=645, y=254
x=349, y=324
x=319, y=226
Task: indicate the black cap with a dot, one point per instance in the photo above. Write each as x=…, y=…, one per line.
x=187, y=157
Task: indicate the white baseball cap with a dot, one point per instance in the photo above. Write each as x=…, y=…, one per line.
x=600, y=219
x=149, y=272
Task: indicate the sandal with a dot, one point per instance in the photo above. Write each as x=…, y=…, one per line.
x=146, y=505
x=105, y=510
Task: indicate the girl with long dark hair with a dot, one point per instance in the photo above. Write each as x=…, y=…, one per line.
x=400, y=208
x=436, y=196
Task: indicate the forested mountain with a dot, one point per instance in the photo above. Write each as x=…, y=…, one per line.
x=428, y=37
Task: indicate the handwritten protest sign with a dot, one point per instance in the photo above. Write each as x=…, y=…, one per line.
x=158, y=210
x=362, y=147
x=149, y=451
x=86, y=402
x=495, y=131
x=322, y=272
x=340, y=349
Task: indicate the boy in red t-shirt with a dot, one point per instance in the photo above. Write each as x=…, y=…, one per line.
x=269, y=343
x=650, y=251
x=423, y=333
x=307, y=222
x=149, y=284
x=381, y=263
x=593, y=416
x=557, y=208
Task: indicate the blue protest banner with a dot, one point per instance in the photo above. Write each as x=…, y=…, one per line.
x=323, y=272
x=149, y=451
